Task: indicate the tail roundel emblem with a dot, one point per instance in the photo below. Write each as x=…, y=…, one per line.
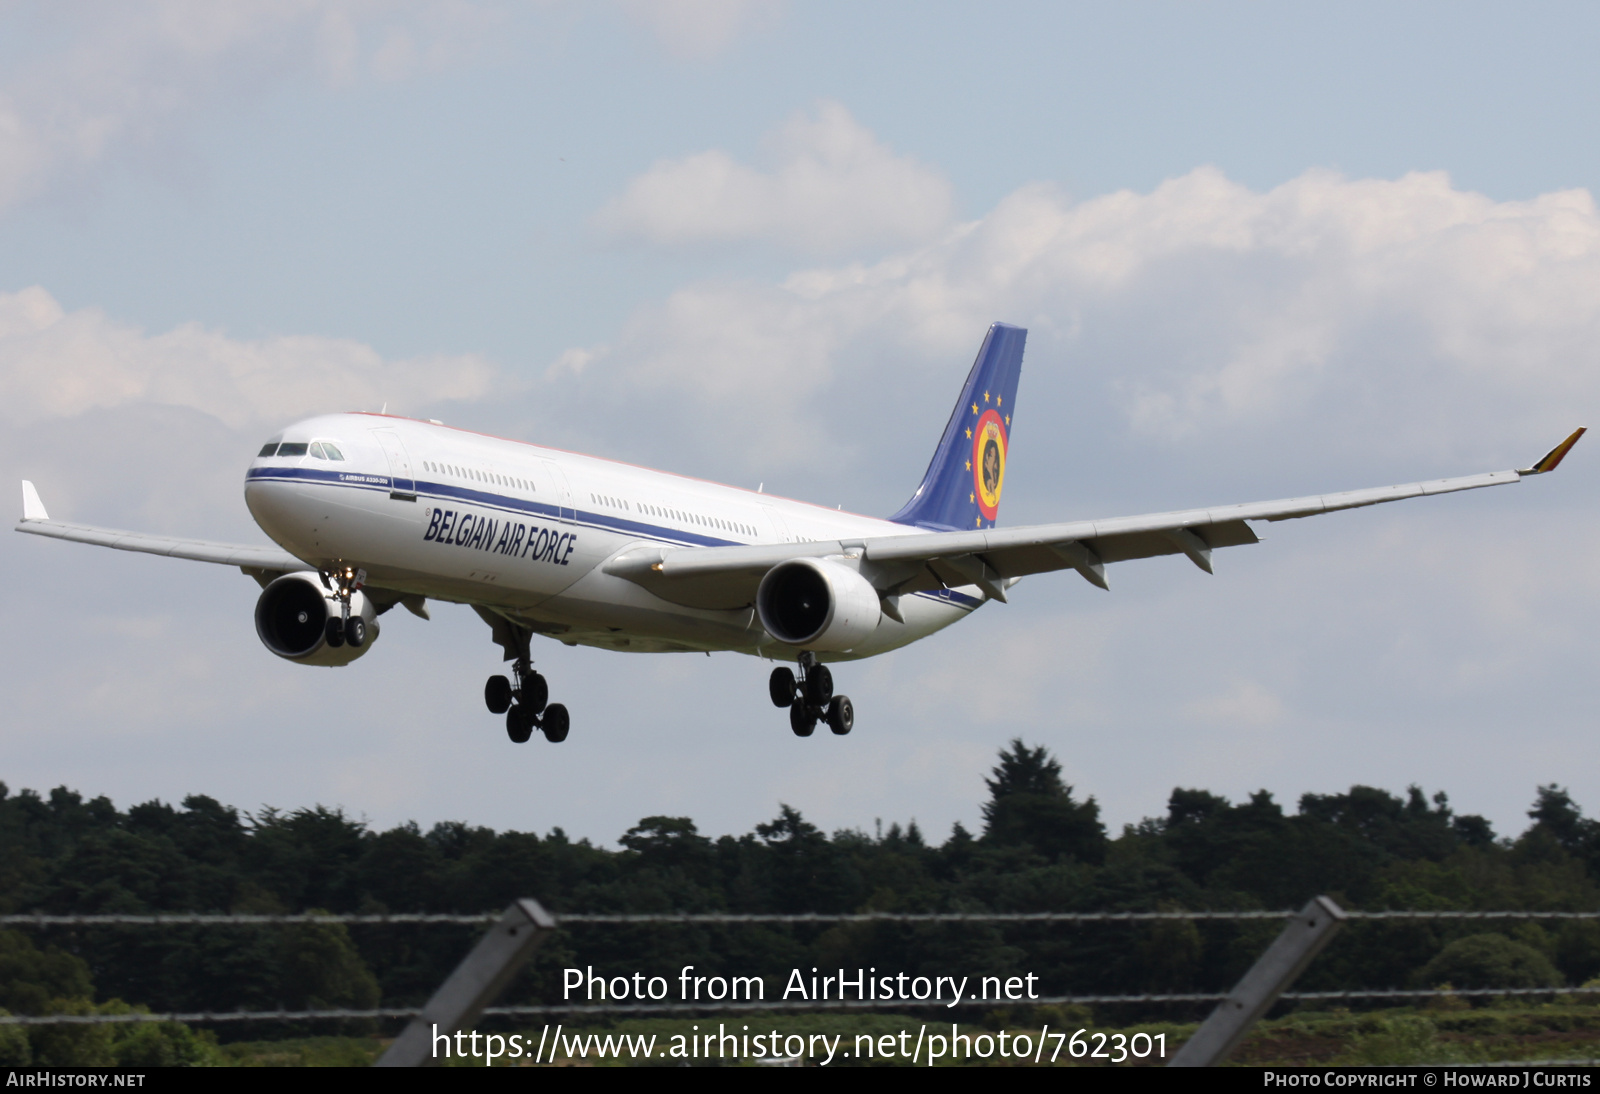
x=989, y=462
x=961, y=489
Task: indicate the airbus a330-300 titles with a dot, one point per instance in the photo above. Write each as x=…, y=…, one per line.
x=370, y=511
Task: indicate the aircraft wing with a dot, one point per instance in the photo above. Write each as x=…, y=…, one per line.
x=255, y=561
x=727, y=577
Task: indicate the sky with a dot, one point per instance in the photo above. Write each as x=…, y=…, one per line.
x=1262, y=250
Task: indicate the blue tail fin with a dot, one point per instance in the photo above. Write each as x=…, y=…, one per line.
x=961, y=488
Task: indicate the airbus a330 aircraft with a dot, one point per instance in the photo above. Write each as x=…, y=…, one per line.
x=370, y=511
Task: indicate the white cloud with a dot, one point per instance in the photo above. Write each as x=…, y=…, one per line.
x=88, y=84
x=698, y=29
x=1380, y=317
x=125, y=76
x=831, y=187
x=57, y=364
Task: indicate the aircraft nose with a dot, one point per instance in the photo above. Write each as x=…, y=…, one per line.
x=273, y=504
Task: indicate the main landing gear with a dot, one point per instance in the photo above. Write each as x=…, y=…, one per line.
x=526, y=703
x=527, y=706
x=811, y=698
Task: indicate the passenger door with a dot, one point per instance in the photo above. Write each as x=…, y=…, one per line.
x=558, y=478
x=780, y=527
x=402, y=482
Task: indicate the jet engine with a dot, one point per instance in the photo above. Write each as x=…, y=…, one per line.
x=293, y=616
x=817, y=604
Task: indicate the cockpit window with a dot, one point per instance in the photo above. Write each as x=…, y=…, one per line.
x=293, y=448
x=332, y=450
x=268, y=449
x=316, y=450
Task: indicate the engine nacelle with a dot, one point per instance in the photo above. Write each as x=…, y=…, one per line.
x=817, y=604
x=292, y=621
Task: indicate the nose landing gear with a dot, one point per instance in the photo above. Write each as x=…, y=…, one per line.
x=347, y=629
x=810, y=698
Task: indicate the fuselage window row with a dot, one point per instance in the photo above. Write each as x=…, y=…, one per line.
x=495, y=477
x=682, y=516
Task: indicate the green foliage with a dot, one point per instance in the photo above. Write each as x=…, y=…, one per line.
x=320, y=969
x=30, y=977
x=1490, y=961
x=1397, y=1041
x=72, y=1045
x=14, y=1050
x=1041, y=849
x=157, y=1044
x=302, y=1052
x=1169, y=955
x=1577, y=950
x=164, y=1044
x=131, y=1044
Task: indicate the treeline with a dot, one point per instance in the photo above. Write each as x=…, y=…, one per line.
x=1042, y=848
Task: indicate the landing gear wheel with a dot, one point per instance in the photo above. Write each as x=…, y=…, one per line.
x=355, y=632
x=556, y=723
x=519, y=725
x=801, y=720
x=819, y=686
x=526, y=694
x=781, y=687
x=497, y=694
x=535, y=693
x=841, y=715
x=334, y=633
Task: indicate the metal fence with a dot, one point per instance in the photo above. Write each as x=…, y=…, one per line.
x=210, y=919
x=469, y=991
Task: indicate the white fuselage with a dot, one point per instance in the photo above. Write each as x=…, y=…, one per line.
x=443, y=513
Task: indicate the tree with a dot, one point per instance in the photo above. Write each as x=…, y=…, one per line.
x=1030, y=806
x=667, y=841
x=1490, y=961
x=1555, y=813
x=802, y=870
x=1194, y=806
x=1409, y=829
x=31, y=977
x=319, y=967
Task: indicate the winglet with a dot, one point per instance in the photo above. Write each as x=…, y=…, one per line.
x=32, y=507
x=1552, y=459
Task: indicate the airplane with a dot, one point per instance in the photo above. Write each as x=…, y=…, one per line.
x=371, y=510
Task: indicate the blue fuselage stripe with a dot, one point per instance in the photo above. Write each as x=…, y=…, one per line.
x=443, y=492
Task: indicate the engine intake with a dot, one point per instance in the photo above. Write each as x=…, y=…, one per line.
x=292, y=621
x=817, y=604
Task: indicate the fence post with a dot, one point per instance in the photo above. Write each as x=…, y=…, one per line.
x=473, y=985
x=1305, y=936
